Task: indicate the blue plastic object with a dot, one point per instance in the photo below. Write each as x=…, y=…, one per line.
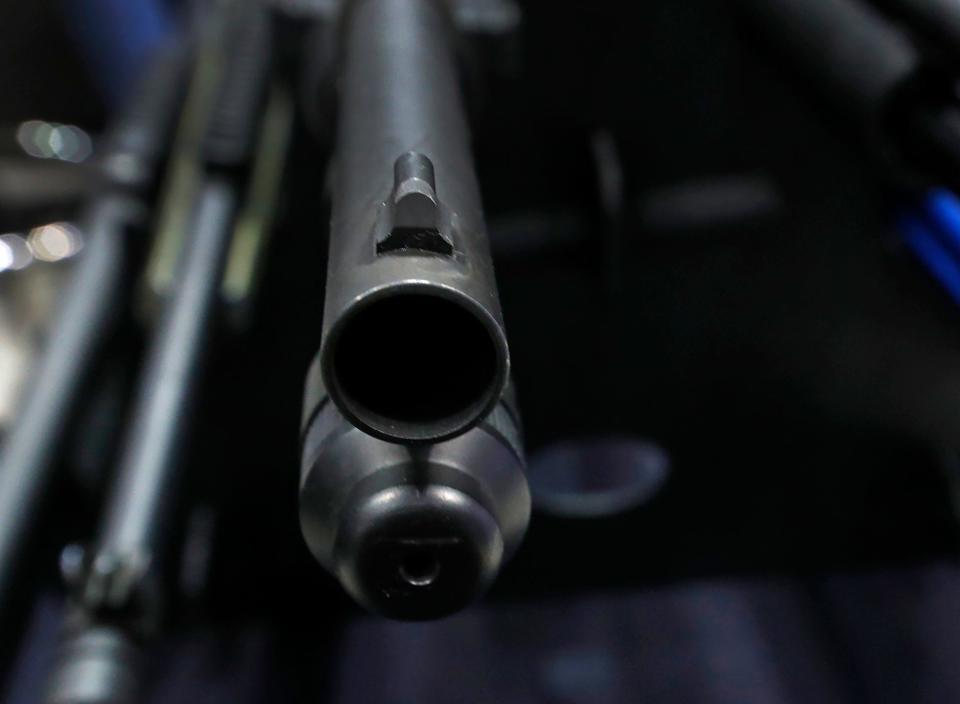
x=115, y=38
x=934, y=255
x=942, y=209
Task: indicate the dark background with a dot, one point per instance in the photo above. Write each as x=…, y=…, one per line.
x=744, y=303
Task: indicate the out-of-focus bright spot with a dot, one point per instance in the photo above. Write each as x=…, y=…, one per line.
x=56, y=241
x=33, y=136
x=48, y=140
x=70, y=143
x=124, y=167
x=6, y=256
x=21, y=256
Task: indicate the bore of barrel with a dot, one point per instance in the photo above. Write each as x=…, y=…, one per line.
x=415, y=359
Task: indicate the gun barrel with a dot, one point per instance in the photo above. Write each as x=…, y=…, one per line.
x=414, y=348
x=412, y=532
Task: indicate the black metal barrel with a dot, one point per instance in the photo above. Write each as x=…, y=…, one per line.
x=414, y=347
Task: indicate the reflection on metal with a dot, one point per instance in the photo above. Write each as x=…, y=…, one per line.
x=255, y=219
x=184, y=173
x=29, y=296
x=49, y=140
x=15, y=351
x=597, y=477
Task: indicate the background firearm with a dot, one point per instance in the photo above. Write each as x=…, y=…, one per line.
x=131, y=156
x=118, y=586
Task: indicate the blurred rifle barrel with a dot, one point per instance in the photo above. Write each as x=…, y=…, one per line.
x=84, y=318
x=118, y=588
x=161, y=415
x=119, y=578
x=413, y=348
x=90, y=303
